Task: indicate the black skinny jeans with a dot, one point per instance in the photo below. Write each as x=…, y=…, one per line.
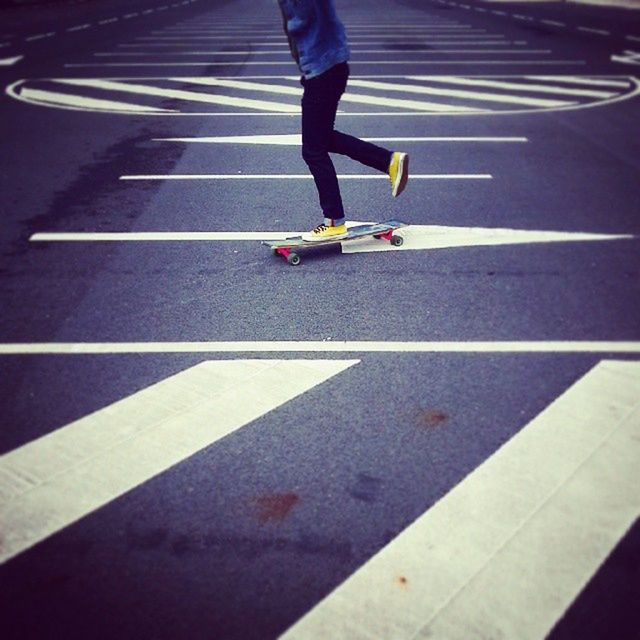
x=319, y=138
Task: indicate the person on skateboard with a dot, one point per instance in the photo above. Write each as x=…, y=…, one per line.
x=318, y=44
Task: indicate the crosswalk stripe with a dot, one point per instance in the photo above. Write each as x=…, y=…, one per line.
x=482, y=560
x=516, y=86
x=190, y=96
x=468, y=95
x=59, y=478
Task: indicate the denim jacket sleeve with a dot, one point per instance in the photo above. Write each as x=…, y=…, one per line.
x=317, y=38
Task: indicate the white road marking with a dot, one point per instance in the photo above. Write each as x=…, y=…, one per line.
x=517, y=86
x=402, y=103
x=80, y=27
x=506, y=551
x=321, y=346
x=296, y=139
x=425, y=237
x=594, y=82
x=586, y=91
x=304, y=176
x=109, y=21
x=190, y=96
x=426, y=51
x=55, y=480
x=628, y=57
x=80, y=102
x=634, y=38
x=416, y=237
x=601, y=32
x=40, y=36
x=8, y=62
x=355, y=47
x=553, y=23
x=467, y=95
x=353, y=63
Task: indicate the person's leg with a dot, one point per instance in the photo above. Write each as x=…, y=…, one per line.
x=319, y=105
x=363, y=152
x=395, y=164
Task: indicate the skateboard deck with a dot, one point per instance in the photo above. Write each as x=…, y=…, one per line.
x=290, y=247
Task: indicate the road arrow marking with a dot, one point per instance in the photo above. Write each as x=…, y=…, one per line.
x=507, y=550
x=423, y=237
x=55, y=480
x=7, y=62
x=416, y=237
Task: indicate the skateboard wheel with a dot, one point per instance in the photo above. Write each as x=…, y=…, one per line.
x=396, y=241
x=293, y=259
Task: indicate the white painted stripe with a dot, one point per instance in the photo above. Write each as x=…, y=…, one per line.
x=355, y=47
x=40, y=36
x=81, y=102
x=347, y=97
x=80, y=27
x=466, y=95
x=8, y=62
x=109, y=21
x=400, y=29
x=601, y=32
x=242, y=84
x=634, y=38
x=352, y=63
x=277, y=33
x=304, y=176
x=59, y=478
x=386, y=52
x=296, y=139
x=592, y=82
x=416, y=237
x=130, y=15
x=553, y=23
x=318, y=346
x=424, y=36
x=356, y=39
x=508, y=549
x=430, y=237
x=515, y=86
x=190, y=96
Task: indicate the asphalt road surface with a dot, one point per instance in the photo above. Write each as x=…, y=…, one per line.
x=438, y=440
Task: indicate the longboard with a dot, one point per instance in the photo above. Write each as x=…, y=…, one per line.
x=290, y=247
